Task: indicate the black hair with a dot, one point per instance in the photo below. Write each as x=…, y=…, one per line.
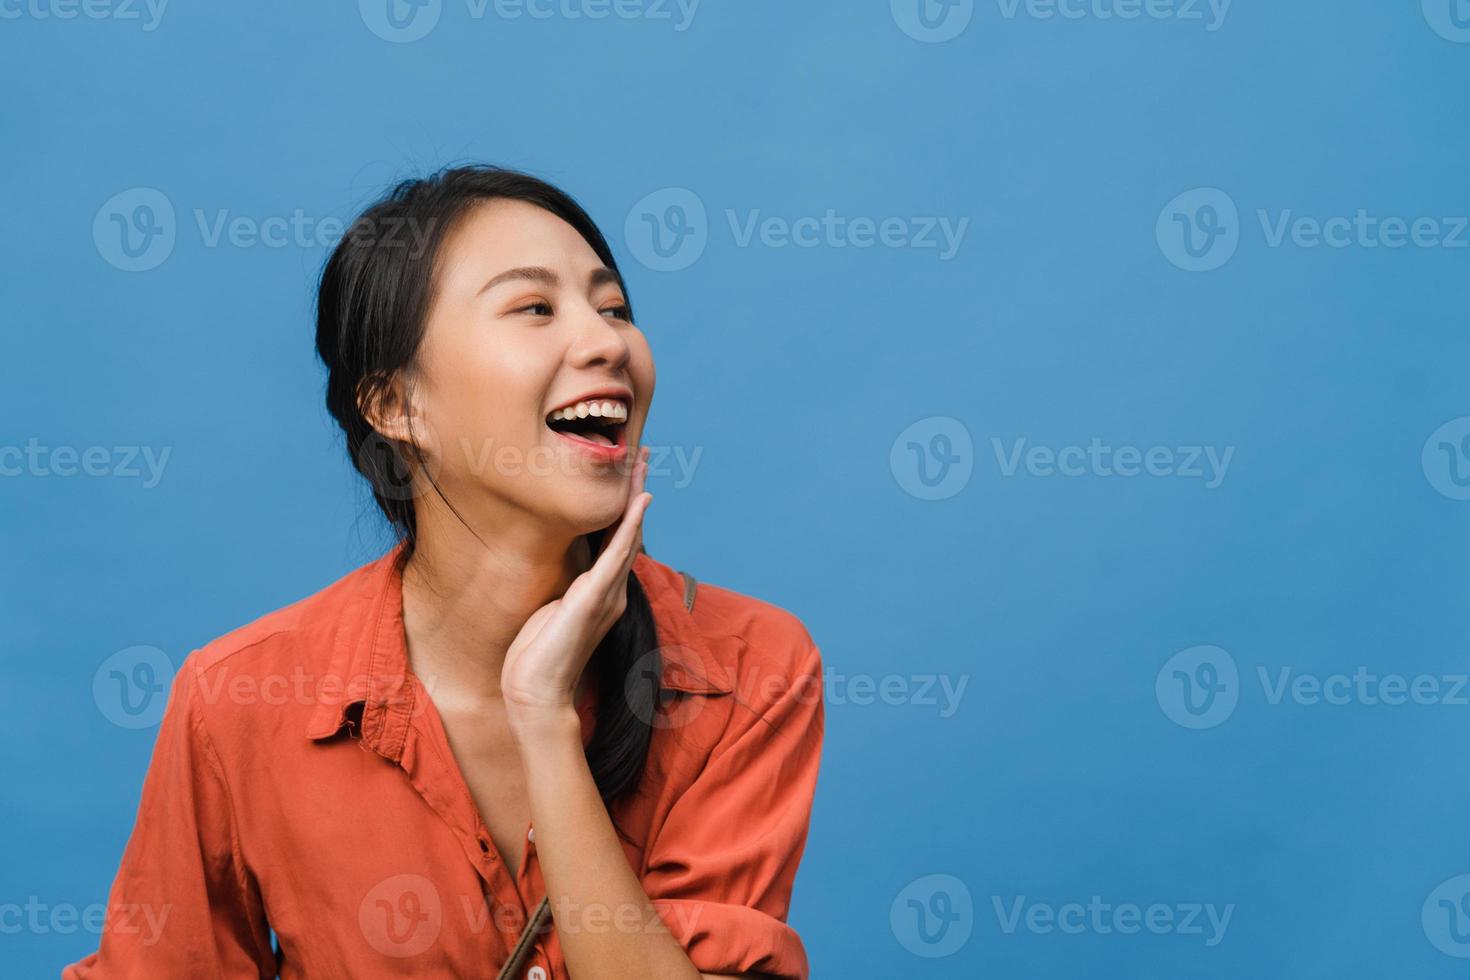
x=372, y=305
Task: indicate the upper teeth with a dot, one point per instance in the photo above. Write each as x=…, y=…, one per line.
x=597, y=409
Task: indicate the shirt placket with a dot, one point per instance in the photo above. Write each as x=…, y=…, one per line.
x=538, y=966
x=427, y=761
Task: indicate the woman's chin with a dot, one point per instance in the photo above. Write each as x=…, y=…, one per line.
x=593, y=510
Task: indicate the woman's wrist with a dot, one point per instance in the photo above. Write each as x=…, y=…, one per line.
x=534, y=727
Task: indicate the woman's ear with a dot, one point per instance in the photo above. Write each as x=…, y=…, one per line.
x=385, y=404
x=400, y=453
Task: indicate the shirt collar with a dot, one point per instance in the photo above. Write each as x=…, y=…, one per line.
x=370, y=655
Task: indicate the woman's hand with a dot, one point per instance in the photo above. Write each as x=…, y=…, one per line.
x=546, y=659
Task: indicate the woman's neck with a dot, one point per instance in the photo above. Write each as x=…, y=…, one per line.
x=466, y=600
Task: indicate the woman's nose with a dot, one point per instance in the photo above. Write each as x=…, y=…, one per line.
x=600, y=340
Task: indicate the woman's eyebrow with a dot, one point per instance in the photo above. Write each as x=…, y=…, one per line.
x=537, y=273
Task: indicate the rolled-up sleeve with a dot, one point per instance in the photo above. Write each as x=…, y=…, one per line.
x=182, y=904
x=720, y=869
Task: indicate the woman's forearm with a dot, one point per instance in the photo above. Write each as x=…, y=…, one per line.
x=609, y=929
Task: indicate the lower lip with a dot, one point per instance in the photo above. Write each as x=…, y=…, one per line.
x=606, y=454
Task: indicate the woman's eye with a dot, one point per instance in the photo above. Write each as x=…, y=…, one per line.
x=621, y=312
x=529, y=307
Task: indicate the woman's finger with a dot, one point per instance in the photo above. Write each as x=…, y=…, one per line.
x=608, y=574
x=610, y=570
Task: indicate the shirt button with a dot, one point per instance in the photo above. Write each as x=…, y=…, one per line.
x=531, y=836
x=535, y=973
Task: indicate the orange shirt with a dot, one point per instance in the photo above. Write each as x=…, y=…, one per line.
x=302, y=782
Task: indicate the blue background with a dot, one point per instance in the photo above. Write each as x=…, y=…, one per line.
x=1058, y=600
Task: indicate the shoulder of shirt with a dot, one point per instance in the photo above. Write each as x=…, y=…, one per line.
x=740, y=630
x=275, y=633
x=750, y=635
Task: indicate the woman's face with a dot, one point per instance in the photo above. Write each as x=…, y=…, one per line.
x=526, y=320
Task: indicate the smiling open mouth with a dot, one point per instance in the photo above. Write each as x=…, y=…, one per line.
x=604, y=428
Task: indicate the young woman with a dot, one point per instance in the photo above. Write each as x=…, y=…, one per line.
x=515, y=744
